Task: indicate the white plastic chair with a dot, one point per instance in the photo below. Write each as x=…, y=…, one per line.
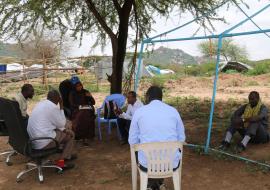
x=160, y=158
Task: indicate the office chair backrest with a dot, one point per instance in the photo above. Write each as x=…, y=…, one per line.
x=3, y=128
x=14, y=123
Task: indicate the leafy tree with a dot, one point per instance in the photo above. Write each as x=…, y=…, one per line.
x=109, y=20
x=230, y=51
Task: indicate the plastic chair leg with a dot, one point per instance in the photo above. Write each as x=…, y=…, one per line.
x=176, y=180
x=118, y=131
x=99, y=131
x=134, y=177
x=109, y=128
x=143, y=180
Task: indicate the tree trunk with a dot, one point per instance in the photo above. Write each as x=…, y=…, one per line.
x=119, y=49
x=117, y=69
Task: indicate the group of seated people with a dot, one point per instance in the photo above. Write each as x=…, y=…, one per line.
x=153, y=122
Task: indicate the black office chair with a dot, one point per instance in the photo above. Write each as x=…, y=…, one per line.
x=21, y=143
x=4, y=132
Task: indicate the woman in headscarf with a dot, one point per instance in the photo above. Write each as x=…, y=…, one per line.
x=83, y=113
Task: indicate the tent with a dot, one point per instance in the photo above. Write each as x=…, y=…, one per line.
x=234, y=65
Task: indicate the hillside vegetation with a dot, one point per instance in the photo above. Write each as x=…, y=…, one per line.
x=165, y=56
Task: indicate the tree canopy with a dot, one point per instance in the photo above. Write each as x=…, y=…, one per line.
x=101, y=17
x=230, y=50
x=109, y=20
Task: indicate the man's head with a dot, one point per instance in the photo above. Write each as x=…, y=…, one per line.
x=254, y=98
x=153, y=93
x=54, y=96
x=75, y=81
x=28, y=91
x=131, y=97
x=78, y=86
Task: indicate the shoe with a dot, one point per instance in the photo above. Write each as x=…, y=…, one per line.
x=68, y=166
x=224, y=146
x=240, y=148
x=72, y=157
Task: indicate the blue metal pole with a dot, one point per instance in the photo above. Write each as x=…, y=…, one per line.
x=186, y=39
x=210, y=36
x=214, y=96
x=246, y=33
x=139, y=68
x=247, y=19
x=187, y=23
x=241, y=158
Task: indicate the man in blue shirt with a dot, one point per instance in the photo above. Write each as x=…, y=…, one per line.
x=156, y=122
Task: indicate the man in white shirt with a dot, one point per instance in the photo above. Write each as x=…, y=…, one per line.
x=27, y=92
x=47, y=120
x=156, y=122
x=125, y=118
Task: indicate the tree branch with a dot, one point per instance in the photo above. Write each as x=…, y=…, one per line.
x=99, y=18
x=117, y=6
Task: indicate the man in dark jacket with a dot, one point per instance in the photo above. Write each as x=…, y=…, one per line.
x=251, y=121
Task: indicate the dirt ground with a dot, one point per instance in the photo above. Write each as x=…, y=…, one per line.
x=105, y=165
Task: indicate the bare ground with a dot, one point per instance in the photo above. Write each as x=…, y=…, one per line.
x=105, y=165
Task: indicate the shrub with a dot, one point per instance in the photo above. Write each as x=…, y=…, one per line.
x=158, y=80
x=208, y=69
x=192, y=70
x=260, y=68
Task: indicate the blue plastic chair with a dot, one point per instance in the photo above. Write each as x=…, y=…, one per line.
x=120, y=100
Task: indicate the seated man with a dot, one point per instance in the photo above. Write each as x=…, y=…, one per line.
x=27, y=92
x=156, y=122
x=251, y=121
x=48, y=120
x=124, y=119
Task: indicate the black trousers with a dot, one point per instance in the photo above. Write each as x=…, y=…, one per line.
x=124, y=126
x=256, y=131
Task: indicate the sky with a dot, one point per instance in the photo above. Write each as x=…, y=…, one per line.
x=258, y=46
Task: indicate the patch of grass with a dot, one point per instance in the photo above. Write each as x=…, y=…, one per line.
x=235, y=83
x=197, y=111
x=199, y=150
x=158, y=80
x=206, y=69
x=123, y=169
x=95, y=88
x=252, y=168
x=252, y=83
x=260, y=68
x=106, y=181
x=231, y=72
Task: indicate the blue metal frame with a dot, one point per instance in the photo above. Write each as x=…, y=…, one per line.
x=220, y=37
x=214, y=96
